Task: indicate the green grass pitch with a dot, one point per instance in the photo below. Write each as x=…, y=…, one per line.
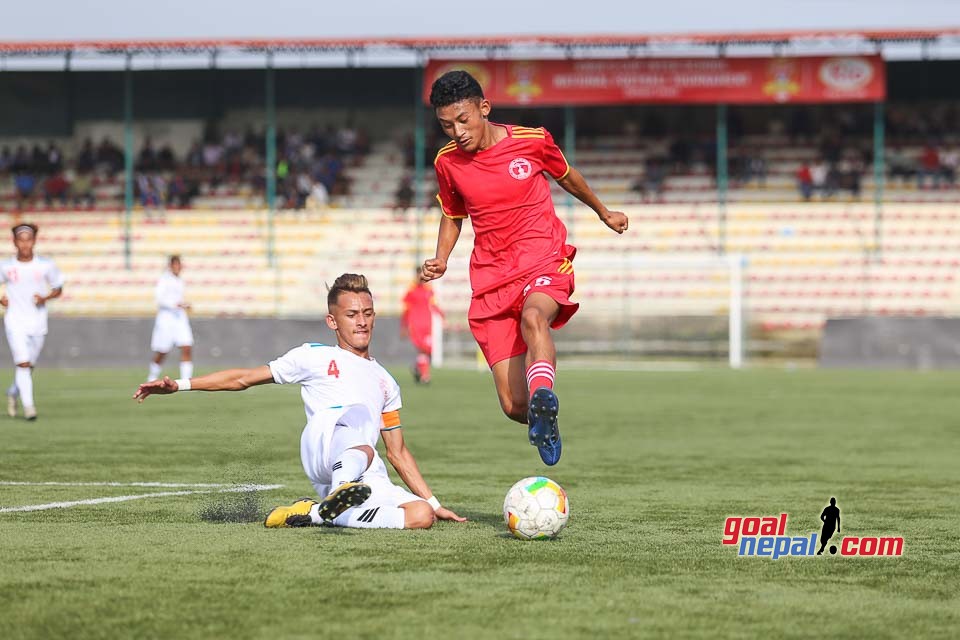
x=653, y=464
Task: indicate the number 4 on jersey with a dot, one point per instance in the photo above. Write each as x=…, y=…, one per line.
x=332, y=370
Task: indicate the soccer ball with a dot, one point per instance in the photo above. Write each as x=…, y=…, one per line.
x=536, y=509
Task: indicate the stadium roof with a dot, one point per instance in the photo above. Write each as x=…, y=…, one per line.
x=406, y=51
x=836, y=37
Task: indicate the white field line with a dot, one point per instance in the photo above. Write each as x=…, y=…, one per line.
x=165, y=485
x=142, y=496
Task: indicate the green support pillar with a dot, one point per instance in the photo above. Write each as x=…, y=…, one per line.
x=570, y=150
x=271, y=161
x=879, y=175
x=128, y=161
x=722, y=179
x=419, y=156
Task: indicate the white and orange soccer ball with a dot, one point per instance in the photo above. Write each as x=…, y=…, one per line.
x=536, y=509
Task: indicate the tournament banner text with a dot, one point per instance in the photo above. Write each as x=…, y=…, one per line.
x=673, y=80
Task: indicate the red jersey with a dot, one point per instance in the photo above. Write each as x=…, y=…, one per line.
x=419, y=305
x=506, y=195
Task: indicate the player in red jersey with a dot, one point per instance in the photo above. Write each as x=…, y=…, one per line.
x=521, y=269
x=419, y=307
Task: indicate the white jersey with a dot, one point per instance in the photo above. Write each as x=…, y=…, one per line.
x=169, y=295
x=24, y=280
x=333, y=378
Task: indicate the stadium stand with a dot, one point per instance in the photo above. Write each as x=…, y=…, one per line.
x=803, y=262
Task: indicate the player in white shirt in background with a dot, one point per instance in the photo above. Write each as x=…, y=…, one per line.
x=30, y=281
x=351, y=402
x=172, y=328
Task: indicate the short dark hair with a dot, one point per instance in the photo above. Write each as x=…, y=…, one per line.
x=454, y=86
x=174, y=258
x=352, y=282
x=22, y=226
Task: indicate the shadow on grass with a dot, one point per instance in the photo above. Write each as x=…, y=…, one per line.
x=484, y=518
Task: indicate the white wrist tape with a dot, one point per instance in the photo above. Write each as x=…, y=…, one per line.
x=183, y=384
x=433, y=502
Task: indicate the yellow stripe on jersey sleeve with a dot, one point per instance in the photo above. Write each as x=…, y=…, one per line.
x=567, y=172
x=443, y=209
x=529, y=133
x=445, y=150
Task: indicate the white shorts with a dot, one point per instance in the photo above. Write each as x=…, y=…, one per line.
x=23, y=347
x=171, y=331
x=330, y=433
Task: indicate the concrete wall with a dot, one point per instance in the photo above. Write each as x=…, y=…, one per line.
x=891, y=343
x=83, y=343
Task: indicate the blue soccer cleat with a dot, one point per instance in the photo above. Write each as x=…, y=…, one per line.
x=544, y=431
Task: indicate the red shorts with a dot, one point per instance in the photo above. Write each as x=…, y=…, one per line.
x=422, y=341
x=495, y=316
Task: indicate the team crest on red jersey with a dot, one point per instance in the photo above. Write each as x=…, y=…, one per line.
x=520, y=168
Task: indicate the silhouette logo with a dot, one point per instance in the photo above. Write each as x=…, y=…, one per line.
x=766, y=537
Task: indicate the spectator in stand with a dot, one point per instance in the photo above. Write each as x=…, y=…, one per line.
x=899, y=164
x=54, y=159
x=180, y=192
x=656, y=177
x=160, y=188
x=304, y=185
x=232, y=142
x=82, y=189
x=848, y=176
x=109, y=157
x=195, y=154
x=212, y=154
x=38, y=159
x=87, y=157
x=146, y=191
x=23, y=183
x=649, y=181
x=347, y=141
x=362, y=145
x=21, y=161
x=166, y=159
x=747, y=164
x=318, y=198
x=147, y=160
x=929, y=166
x=949, y=163
x=403, y=198
x=56, y=187
x=805, y=181
x=819, y=176
x=756, y=167
x=6, y=159
x=639, y=184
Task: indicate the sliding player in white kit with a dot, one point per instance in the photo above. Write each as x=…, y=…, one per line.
x=30, y=281
x=172, y=327
x=350, y=400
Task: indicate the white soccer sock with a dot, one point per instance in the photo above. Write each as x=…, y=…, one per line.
x=383, y=517
x=348, y=467
x=186, y=370
x=12, y=389
x=155, y=371
x=24, y=378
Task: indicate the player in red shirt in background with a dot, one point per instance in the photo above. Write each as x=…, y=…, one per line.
x=521, y=269
x=419, y=307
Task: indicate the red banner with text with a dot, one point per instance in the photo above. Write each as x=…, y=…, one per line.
x=673, y=80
